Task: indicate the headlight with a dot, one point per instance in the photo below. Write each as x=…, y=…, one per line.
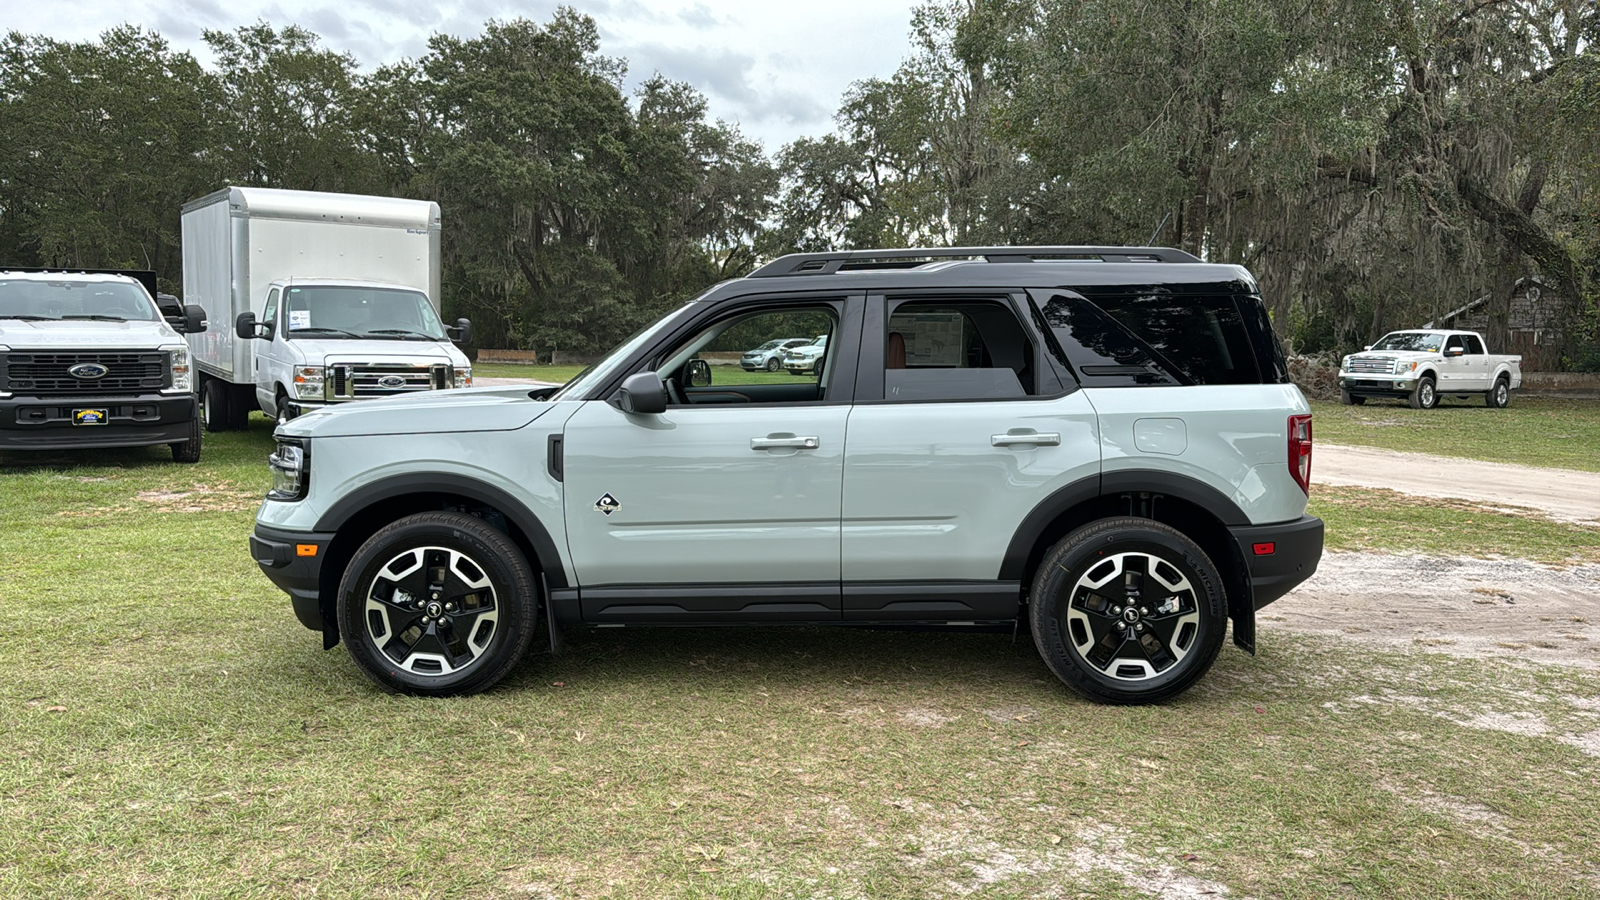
x=308, y=382
x=463, y=377
x=178, y=363
x=290, y=464
x=1344, y=364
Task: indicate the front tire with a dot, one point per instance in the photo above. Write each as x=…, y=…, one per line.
x=1349, y=399
x=188, y=451
x=1499, y=396
x=1425, y=396
x=438, y=604
x=774, y=364
x=1128, y=610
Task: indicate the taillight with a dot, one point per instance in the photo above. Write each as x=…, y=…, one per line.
x=1300, y=451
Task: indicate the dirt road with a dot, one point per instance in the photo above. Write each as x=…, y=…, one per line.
x=1563, y=494
x=1467, y=607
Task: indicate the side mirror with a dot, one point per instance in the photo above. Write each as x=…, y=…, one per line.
x=642, y=394
x=461, y=332
x=194, y=320
x=1455, y=351
x=699, y=373
x=1367, y=347
x=245, y=325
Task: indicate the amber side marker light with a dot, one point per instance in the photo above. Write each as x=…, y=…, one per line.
x=305, y=549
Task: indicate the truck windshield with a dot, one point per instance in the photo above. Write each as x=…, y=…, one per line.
x=343, y=312
x=1410, y=340
x=91, y=300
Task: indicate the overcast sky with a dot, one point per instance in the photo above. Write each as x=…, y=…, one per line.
x=776, y=69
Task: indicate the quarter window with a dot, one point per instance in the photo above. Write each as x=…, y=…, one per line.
x=1152, y=338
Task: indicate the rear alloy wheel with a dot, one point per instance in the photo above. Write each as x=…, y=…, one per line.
x=1128, y=610
x=1499, y=396
x=438, y=604
x=1425, y=396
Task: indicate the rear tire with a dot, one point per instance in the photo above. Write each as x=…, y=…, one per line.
x=438, y=604
x=1499, y=396
x=1128, y=610
x=188, y=451
x=216, y=405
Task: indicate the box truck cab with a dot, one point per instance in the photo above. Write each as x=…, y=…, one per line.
x=328, y=298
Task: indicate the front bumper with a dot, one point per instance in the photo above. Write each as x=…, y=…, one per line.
x=801, y=368
x=1279, y=556
x=141, y=420
x=1377, y=385
x=292, y=560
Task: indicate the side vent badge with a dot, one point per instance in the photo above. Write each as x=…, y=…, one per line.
x=607, y=504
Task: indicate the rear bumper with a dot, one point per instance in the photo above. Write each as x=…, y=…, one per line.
x=142, y=420
x=1295, y=550
x=292, y=560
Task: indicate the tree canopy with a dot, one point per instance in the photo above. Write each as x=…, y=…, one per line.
x=1376, y=163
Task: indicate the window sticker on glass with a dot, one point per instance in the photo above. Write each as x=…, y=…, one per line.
x=932, y=338
x=299, y=318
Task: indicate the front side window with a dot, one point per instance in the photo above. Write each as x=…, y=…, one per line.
x=360, y=312
x=270, y=314
x=726, y=372
x=108, y=300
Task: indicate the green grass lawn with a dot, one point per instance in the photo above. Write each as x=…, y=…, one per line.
x=169, y=729
x=1530, y=432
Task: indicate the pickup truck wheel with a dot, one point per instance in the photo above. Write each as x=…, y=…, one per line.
x=216, y=405
x=188, y=451
x=1349, y=399
x=1499, y=396
x=1424, y=396
x=1127, y=610
x=438, y=604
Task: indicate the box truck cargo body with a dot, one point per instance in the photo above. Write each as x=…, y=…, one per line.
x=315, y=299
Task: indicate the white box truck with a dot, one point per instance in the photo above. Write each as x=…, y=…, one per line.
x=315, y=299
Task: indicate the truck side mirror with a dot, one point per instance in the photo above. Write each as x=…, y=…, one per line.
x=699, y=373
x=194, y=320
x=1454, y=351
x=461, y=332
x=642, y=394
x=248, y=328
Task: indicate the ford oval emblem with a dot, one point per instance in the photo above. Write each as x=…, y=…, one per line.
x=392, y=381
x=88, y=371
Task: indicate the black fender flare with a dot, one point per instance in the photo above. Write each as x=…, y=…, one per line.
x=544, y=547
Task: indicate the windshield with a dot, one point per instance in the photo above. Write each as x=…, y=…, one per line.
x=361, y=312
x=600, y=370
x=91, y=300
x=1410, y=340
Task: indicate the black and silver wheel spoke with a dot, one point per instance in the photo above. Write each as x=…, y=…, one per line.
x=1132, y=616
x=431, y=610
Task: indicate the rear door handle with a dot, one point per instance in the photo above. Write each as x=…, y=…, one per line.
x=790, y=442
x=1052, y=439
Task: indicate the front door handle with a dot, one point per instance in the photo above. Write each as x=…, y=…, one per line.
x=785, y=442
x=1051, y=439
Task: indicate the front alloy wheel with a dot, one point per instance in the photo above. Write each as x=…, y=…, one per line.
x=437, y=603
x=1128, y=610
x=774, y=364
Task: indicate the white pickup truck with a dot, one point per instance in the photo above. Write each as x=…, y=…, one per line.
x=1421, y=366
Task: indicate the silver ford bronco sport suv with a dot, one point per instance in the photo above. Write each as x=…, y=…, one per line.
x=1097, y=444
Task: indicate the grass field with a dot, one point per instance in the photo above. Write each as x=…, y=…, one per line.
x=1531, y=432
x=169, y=729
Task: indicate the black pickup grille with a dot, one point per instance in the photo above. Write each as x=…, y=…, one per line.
x=48, y=375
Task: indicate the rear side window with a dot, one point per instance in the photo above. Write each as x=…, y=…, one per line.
x=1150, y=338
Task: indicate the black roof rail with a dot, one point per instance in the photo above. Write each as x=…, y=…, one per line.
x=143, y=276
x=831, y=263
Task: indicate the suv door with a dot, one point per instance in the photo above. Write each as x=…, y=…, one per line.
x=961, y=427
x=726, y=506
